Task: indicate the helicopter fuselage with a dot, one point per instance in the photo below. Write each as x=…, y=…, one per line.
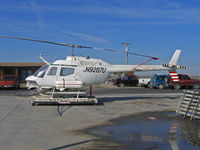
x=74, y=72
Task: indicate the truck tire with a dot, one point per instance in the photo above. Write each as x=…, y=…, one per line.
x=121, y=84
x=150, y=86
x=147, y=85
x=17, y=87
x=161, y=86
x=196, y=86
x=177, y=86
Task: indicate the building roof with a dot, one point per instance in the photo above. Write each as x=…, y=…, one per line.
x=22, y=64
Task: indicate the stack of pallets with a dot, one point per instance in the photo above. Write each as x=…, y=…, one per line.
x=189, y=105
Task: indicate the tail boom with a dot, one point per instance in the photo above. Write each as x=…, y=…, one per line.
x=171, y=67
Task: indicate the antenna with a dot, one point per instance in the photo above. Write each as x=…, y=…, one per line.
x=126, y=45
x=46, y=62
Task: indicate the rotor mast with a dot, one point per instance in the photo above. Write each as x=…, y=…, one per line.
x=72, y=51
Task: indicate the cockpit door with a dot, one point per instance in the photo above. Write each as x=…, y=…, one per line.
x=51, y=76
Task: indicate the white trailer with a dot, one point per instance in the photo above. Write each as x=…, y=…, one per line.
x=143, y=82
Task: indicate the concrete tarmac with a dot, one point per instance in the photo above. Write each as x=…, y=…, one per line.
x=25, y=127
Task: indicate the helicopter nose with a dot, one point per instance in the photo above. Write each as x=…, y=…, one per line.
x=31, y=82
x=30, y=78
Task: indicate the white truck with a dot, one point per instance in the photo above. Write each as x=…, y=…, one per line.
x=143, y=82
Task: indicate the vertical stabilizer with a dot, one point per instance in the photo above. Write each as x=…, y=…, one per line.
x=175, y=57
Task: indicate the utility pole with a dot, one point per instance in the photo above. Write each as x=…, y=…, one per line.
x=126, y=45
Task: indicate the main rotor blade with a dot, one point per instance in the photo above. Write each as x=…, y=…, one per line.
x=120, y=51
x=78, y=46
x=27, y=39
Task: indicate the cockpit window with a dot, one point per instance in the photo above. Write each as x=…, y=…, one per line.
x=52, y=71
x=41, y=72
x=66, y=71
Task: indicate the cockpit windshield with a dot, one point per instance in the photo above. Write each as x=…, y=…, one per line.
x=41, y=72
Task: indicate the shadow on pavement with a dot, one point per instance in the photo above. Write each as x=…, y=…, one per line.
x=72, y=145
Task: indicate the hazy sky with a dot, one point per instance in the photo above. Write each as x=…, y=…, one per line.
x=153, y=27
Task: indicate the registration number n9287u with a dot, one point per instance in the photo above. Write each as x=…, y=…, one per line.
x=95, y=69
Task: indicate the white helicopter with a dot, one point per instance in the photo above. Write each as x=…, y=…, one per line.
x=75, y=72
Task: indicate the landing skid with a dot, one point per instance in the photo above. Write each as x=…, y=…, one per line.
x=64, y=98
x=66, y=101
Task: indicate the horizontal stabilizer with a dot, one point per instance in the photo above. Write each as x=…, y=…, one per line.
x=181, y=67
x=173, y=66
